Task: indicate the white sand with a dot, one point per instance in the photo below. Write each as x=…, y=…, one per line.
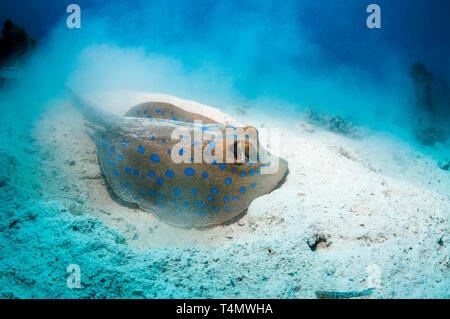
x=379, y=206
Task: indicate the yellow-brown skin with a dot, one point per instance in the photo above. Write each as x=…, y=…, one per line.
x=182, y=197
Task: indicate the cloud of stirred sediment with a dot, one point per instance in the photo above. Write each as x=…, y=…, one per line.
x=299, y=54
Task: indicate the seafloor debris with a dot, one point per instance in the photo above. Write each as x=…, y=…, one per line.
x=445, y=165
x=240, y=110
x=7, y=168
x=430, y=123
x=317, y=241
x=333, y=123
x=341, y=295
x=349, y=155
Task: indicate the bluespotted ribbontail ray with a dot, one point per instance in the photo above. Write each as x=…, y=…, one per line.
x=159, y=157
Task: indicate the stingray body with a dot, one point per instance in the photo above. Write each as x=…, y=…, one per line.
x=136, y=155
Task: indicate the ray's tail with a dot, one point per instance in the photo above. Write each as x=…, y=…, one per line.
x=95, y=115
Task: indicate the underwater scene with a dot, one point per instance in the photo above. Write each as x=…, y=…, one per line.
x=224, y=149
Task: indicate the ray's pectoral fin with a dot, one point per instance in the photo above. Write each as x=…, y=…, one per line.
x=166, y=111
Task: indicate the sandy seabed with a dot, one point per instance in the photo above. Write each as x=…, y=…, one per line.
x=353, y=213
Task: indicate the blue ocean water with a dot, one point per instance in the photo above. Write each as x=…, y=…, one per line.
x=276, y=57
x=308, y=54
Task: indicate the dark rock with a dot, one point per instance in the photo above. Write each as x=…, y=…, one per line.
x=445, y=165
x=4, y=180
x=14, y=43
x=317, y=239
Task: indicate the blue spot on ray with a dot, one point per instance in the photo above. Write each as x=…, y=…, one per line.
x=141, y=149
x=189, y=171
x=155, y=158
x=170, y=173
